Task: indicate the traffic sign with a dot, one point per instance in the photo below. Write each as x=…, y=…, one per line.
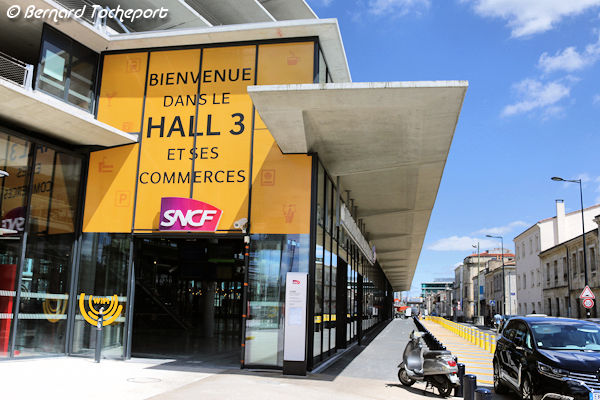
x=587, y=293
x=588, y=303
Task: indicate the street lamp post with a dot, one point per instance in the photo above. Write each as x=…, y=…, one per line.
x=503, y=276
x=478, y=283
x=585, y=272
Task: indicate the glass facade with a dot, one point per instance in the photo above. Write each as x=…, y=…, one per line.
x=341, y=270
x=40, y=211
x=103, y=268
x=271, y=257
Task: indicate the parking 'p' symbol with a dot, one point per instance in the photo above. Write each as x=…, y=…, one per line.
x=122, y=198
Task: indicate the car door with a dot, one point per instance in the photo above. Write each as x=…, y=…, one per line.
x=522, y=352
x=508, y=366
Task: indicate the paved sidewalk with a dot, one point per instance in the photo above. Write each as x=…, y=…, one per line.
x=363, y=372
x=477, y=361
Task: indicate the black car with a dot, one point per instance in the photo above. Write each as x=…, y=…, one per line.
x=539, y=355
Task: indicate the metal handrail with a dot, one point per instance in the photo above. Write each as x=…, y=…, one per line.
x=16, y=71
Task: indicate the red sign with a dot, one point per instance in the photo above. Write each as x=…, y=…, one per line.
x=183, y=214
x=587, y=293
x=588, y=303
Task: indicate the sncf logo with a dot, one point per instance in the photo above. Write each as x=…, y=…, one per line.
x=182, y=214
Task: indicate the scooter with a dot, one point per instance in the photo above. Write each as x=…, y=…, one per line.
x=435, y=367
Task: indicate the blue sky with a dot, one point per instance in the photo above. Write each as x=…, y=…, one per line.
x=532, y=110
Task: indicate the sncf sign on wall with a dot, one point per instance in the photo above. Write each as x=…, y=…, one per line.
x=182, y=214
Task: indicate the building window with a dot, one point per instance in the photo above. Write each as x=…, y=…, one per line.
x=574, y=264
x=523, y=248
x=548, y=274
x=549, y=307
x=67, y=70
x=530, y=246
x=533, y=308
x=555, y=272
x=557, y=307
x=532, y=279
x=565, y=269
x=593, y=260
x=581, y=263
x=524, y=281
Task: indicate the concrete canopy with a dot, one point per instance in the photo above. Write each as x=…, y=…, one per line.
x=387, y=142
x=43, y=113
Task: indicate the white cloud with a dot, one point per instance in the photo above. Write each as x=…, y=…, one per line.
x=570, y=59
x=461, y=243
x=502, y=230
x=538, y=95
x=397, y=7
x=596, y=99
x=528, y=17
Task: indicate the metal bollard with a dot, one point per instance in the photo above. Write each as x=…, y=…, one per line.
x=483, y=394
x=99, y=339
x=469, y=386
x=458, y=391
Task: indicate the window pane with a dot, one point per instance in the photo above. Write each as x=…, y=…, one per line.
x=103, y=271
x=83, y=75
x=52, y=74
x=47, y=267
x=327, y=293
x=333, y=295
x=14, y=159
x=318, y=312
x=271, y=258
x=320, y=194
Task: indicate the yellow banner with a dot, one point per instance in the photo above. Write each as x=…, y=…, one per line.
x=281, y=184
x=110, y=190
x=200, y=95
x=122, y=90
x=224, y=131
x=167, y=136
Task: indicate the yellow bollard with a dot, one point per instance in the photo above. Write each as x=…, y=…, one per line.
x=487, y=342
x=493, y=345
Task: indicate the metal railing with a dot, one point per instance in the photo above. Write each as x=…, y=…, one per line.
x=101, y=24
x=16, y=71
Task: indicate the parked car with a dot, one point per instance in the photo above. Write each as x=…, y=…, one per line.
x=540, y=355
x=503, y=320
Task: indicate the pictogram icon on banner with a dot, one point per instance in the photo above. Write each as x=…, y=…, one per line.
x=588, y=303
x=587, y=293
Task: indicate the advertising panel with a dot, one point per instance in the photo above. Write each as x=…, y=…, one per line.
x=122, y=91
x=110, y=190
x=196, y=137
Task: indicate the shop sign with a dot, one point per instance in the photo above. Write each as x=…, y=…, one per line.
x=183, y=214
x=111, y=306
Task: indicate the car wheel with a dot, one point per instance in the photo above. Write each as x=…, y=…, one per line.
x=499, y=387
x=526, y=389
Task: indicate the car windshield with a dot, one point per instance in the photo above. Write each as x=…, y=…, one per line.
x=558, y=335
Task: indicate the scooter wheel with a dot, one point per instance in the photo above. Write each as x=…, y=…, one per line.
x=445, y=388
x=403, y=377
